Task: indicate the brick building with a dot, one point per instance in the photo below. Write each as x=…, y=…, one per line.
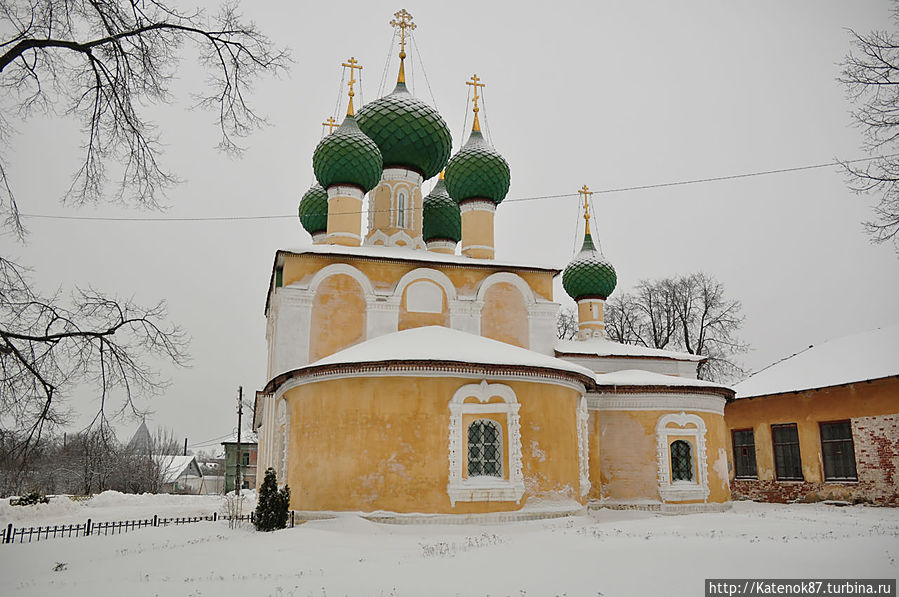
x=822, y=424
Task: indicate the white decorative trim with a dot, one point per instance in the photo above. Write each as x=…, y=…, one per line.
x=350, y=235
x=583, y=446
x=341, y=268
x=509, y=278
x=339, y=190
x=694, y=402
x=403, y=174
x=450, y=372
x=439, y=243
x=461, y=489
x=425, y=273
x=477, y=247
x=385, y=240
x=477, y=205
x=284, y=434
x=679, y=491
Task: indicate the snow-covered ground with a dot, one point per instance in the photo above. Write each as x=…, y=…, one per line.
x=608, y=553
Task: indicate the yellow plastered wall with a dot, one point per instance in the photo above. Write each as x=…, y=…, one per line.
x=590, y=314
x=385, y=218
x=504, y=316
x=627, y=448
x=381, y=443
x=386, y=274
x=338, y=316
x=412, y=319
x=807, y=409
x=477, y=233
x=344, y=217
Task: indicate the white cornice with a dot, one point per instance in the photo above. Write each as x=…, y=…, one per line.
x=657, y=401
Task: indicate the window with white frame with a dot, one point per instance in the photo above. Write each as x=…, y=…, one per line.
x=681, y=446
x=484, y=433
x=401, y=208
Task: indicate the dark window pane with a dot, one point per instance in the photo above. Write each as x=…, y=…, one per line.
x=787, y=463
x=744, y=454
x=485, y=452
x=838, y=451
x=681, y=461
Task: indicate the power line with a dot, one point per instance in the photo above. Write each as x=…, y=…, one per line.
x=514, y=200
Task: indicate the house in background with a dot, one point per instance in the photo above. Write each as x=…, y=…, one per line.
x=248, y=453
x=180, y=474
x=822, y=424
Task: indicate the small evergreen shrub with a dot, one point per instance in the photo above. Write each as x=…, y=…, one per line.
x=272, y=505
x=30, y=500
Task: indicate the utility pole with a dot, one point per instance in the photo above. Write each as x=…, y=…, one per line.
x=185, y=446
x=237, y=482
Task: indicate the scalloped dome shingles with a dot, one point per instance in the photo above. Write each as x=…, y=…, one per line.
x=442, y=218
x=478, y=171
x=347, y=156
x=313, y=210
x=409, y=132
x=589, y=274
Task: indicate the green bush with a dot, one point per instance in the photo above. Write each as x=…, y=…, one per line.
x=272, y=504
x=30, y=500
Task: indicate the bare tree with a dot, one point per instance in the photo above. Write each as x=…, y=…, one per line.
x=566, y=324
x=871, y=77
x=48, y=345
x=689, y=314
x=102, y=61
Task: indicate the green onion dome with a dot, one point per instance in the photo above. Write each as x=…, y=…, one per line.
x=589, y=275
x=477, y=171
x=314, y=209
x=442, y=218
x=410, y=133
x=347, y=156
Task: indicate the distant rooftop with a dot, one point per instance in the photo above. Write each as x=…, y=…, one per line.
x=602, y=347
x=860, y=357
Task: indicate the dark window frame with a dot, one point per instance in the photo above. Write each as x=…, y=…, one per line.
x=745, y=463
x=787, y=454
x=485, y=458
x=682, y=465
x=844, y=448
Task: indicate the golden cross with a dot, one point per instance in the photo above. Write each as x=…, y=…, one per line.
x=403, y=20
x=587, y=193
x=352, y=64
x=330, y=123
x=476, y=125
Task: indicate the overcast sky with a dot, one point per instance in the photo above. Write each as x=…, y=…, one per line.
x=608, y=94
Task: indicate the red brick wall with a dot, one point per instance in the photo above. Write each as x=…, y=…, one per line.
x=876, y=442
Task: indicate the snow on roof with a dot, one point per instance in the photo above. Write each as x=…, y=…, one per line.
x=378, y=252
x=246, y=437
x=172, y=467
x=638, y=377
x=437, y=343
x=603, y=347
x=859, y=357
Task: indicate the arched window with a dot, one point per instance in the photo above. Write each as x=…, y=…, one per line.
x=681, y=461
x=485, y=449
x=401, y=209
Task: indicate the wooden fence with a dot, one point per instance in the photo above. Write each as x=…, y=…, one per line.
x=90, y=528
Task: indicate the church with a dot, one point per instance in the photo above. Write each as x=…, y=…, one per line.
x=410, y=372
